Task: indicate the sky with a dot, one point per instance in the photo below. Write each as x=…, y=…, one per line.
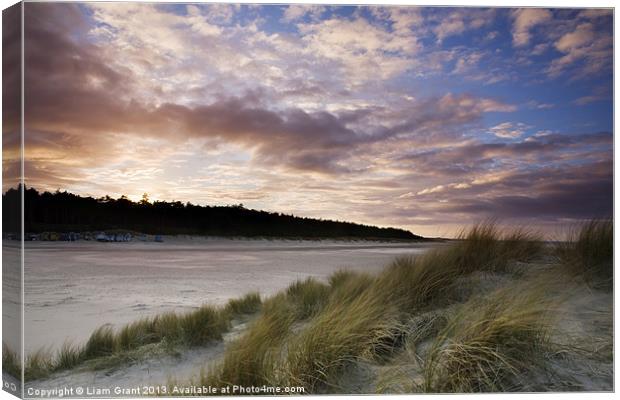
x=428, y=119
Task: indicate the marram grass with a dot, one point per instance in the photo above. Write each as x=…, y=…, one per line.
x=488, y=341
x=248, y=304
x=10, y=362
x=251, y=359
x=486, y=248
x=588, y=252
x=194, y=328
x=341, y=334
x=308, y=297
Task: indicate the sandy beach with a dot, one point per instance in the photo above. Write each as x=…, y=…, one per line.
x=71, y=288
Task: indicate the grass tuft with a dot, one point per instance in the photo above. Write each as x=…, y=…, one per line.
x=346, y=286
x=308, y=297
x=102, y=342
x=589, y=252
x=251, y=359
x=248, y=304
x=10, y=362
x=340, y=335
x=203, y=325
x=488, y=341
x=194, y=328
x=521, y=245
x=485, y=248
x=68, y=356
x=138, y=333
x=38, y=365
x=413, y=283
x=340, y=277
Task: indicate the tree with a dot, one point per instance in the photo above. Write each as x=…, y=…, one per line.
x=67, y=212
x=145, y=199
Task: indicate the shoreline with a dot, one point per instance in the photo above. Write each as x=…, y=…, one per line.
x=240, y=244
x=195, y=237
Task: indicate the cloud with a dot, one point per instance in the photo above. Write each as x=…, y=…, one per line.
x=11, y=75
x=435, y=189
x=544, y=198
x=449, y=27
x=525, y=19
x=547, y=193
x=584, y=44
x=479, y=65
x=460, y=20
x=337, y=55
x=581, y=36
x=404, y=19
x=509, y=130
x=295, y=12
x=536, y=105
x=471, y=158
x=361, y=51
x=598, y=93
x=219, y=12
x=468, y=62
x=437, y=120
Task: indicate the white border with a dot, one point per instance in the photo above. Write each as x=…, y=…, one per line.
x=479, y=3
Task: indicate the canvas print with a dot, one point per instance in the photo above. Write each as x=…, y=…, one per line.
x=213, y=199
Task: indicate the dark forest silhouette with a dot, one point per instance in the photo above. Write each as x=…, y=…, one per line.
x=65, y=212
